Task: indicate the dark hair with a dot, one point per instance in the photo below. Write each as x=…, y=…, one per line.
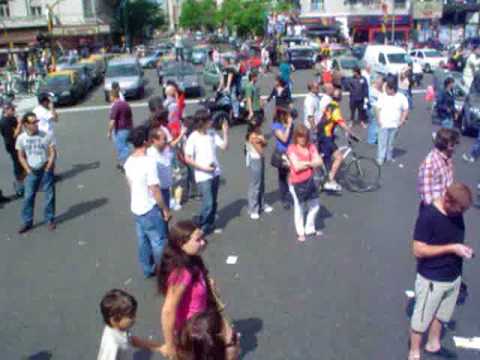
x=189, y=123
x=449, y=80
x=445, y=137
x=27, y=115
x=459, y=195
x=153, y=133
x=253, y=74
x=42, y=97
x=300, y=131
x=357, y=70
x=139, y=136
x=115, y=93
x=281, y=81
x=201, y=116
x=155, y=103
x=201, y=338
x=174, y=258
x=254, y=125
x=158, y=118
x=281, y=114
x=391, y=83
x=115, y=85
x=117, y=304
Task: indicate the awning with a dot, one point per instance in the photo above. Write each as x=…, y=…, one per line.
x=16, y=37
x=80, y=30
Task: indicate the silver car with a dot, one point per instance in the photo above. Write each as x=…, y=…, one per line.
x=183, y=74
x=128, y=73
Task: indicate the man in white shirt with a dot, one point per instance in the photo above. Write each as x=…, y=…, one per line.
x=200, y=154
x=311, y=109
x=472, y=66
x=46, y=114
x=147, y=204
x=392, y=112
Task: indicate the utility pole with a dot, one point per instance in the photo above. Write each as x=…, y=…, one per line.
x=124, y=7
x=393, y=23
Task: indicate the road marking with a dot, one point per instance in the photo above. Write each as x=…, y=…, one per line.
x=188, y=102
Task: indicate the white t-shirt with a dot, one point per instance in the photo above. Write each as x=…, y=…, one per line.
x=311, y=107
x=45, y=119
x=391, y=108
x=115, y=345
x=141, y=172
x=325, y=100
x=202, y=149
x=163, y=160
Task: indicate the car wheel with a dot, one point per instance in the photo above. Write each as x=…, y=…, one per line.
x=141, y=92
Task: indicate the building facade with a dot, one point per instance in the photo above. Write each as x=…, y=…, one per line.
x=362, y=20
x=74, y=22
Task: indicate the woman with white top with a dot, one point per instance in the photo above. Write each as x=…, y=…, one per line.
x=255, y=156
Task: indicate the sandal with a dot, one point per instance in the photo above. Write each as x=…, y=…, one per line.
x=301, y=238
x=315, y=233
x=442, y=353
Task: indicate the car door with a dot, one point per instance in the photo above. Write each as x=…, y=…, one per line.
x=382, y=64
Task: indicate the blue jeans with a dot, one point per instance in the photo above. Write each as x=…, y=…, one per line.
x=475, y=152
x=256, y=186
x=372, y=127
x=32, y=184
x=235, y=102
x=166, y=197
x=447, y=122
x=152, y=233
x=386, y=140
x=121, y=144
x=209, y=191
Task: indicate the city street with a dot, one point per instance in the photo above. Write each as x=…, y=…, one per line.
x=341, y=296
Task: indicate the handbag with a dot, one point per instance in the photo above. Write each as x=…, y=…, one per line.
x=277, y=161
x=306, y=190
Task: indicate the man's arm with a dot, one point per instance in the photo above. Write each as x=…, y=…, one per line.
x=157, y=195
x=52, y=153
x=422, y=250
x=111, y=126
x=224, y=144
x=53, y=111
x=23, y=161
x=403, y=117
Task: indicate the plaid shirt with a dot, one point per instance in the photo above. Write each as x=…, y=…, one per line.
x=434, y=176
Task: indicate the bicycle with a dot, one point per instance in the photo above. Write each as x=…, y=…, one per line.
x=359, y=173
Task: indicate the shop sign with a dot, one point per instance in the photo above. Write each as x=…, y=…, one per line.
x=427, y=9
x=81, y=30
x=367, y=21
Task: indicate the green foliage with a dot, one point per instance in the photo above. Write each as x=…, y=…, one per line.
x=283, y=5
x=199, y=14
x=141, y=15
x=245, y=16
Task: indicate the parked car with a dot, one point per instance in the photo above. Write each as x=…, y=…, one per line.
x=200, y=54
x=342, y=70
x=65, y=87
x=386, y=59
x=293, y=41
x=85, y=72
x=183, y=74
x=97, y=69
x=128, y=73
x=358, y=51
x=429, y=59
x=301, y=57
x=150, y=59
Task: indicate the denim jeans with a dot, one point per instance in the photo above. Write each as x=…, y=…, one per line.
x=283, y=186
x=166, y=196
x=386, y=140
x=152, y=231
x=372, y=136
x=475, y=152
x=235, y=102
x=121, y=144
x=256, y=186
x=32, y=184
x=209, y=191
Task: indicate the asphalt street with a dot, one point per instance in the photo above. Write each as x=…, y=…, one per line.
x=338, y=297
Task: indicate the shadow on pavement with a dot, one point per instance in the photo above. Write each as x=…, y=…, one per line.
x=81, y=209
x=77, y=169
x=42, y=355
x=248, y=328
x=142, y=355
x=231, y=211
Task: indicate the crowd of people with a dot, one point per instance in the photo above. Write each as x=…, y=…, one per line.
x=171, y=157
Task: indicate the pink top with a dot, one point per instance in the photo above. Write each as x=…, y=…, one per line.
x=296, y=177
x=194, y=299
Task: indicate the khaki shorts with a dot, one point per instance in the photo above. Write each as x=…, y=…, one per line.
x=433, y=299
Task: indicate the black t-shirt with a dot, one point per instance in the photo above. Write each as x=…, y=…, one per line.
x=7, y=129
x=435, y=228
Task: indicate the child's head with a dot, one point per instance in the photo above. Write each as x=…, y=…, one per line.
x=119, y=309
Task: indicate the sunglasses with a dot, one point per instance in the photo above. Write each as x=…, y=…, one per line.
x=33, y=122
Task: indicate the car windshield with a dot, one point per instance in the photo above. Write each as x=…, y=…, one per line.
x=302, y=53
x=397, y=58
x=349, y=63
x=58, y=81
x=122, y=70
x=179, y=70
x=432, y=53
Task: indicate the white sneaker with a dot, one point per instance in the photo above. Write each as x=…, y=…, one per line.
x=468, y=158
x=254, y=216
x=478, y=186
x=267, y=209
x=332, y=186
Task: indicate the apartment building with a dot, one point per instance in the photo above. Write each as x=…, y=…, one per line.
x=75, y=22
x=361, y=20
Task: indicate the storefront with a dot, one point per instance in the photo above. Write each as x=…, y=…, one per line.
x=72, y=37
x=373, y=29
x=426, y=16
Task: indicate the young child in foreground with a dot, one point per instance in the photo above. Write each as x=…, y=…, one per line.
x=119, y=310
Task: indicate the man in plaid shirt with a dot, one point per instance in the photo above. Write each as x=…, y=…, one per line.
x=436, y=171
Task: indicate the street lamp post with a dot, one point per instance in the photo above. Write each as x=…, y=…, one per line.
x=124, y=9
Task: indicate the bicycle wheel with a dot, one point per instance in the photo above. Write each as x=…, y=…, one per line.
x=362, y=175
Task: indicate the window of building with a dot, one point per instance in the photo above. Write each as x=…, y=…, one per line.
x=36, y=10
x=87, y=8
x=400, y=4
x=317, y=5
x=4, y=10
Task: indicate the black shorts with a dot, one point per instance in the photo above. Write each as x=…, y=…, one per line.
x=327, y=146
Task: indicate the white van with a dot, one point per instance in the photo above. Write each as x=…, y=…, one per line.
x=385, y=59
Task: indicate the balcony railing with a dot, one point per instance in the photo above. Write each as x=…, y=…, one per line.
x=19, y=22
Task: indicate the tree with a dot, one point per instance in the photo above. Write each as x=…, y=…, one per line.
x=199, y=14
x=141, y=15
x=245, y=16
